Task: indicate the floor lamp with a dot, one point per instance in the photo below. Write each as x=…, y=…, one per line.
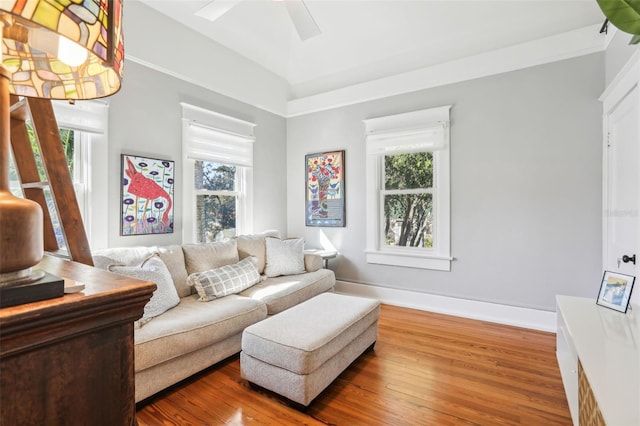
x=52, y=49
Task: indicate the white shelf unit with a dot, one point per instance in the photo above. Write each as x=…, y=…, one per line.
x=605, y=342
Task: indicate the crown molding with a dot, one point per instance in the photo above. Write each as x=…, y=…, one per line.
x=567, y=45
x=275, y=106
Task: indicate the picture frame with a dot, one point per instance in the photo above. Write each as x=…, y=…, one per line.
x=325, y=189
x=146, y=195
x=615, y=291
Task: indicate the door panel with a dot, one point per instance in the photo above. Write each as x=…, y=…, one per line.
x=622, y=207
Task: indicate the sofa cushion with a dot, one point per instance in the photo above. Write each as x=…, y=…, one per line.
x=173, y=257
x=122, y=256
x=193, y=325
x=103, y=262
x=254, y=245
x=280, y=293
x=312, y=262
x=202, y=257
x=284, y=257
x=164, y=297
x=228, y=279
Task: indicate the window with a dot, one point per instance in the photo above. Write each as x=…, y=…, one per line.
x=82, y=128
x=216, y=200
x=218, y=171
x=408, y=189
x=87, y=125
x=407, y=197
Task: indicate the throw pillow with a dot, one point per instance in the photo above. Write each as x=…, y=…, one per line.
x=228, y=279
x=203, y=257
x=284, y=257
x=103, y=262
x=254, y=245
x=129, y=256
x=173, y=257
x=164, y=297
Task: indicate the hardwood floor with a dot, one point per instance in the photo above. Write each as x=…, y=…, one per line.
x=426, y=369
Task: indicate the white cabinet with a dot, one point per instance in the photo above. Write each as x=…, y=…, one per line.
x=605, y=342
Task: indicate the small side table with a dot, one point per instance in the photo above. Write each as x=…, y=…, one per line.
x=324, y=254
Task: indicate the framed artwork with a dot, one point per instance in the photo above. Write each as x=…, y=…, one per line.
x=324, y=189
x=147, y=196
x=615, y=291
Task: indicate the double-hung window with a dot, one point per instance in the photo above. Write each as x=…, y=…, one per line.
x=408, y=219
x=83, y=133
x=218, y=178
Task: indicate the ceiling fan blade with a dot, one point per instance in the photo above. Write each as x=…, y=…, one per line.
x=216, y=9
x=302, y=19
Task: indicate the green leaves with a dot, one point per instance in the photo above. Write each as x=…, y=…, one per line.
x=624, y=14
x=408, y=171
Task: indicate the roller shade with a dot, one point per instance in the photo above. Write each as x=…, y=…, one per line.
x=416, y=131
x=84, y=116
x=216, y=137
x=429, y=138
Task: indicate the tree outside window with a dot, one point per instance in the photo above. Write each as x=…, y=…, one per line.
x=216, y=200
x=68, y=139
x=408, y=200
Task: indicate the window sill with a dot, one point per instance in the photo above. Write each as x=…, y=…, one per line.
x=410, y=260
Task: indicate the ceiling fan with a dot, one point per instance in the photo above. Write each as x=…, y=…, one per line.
x=302, y=19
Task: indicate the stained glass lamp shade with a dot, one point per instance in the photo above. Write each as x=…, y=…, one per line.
x=94, y=26
x=37, y=38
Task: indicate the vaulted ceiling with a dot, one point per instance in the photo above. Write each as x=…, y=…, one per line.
x=365, y=40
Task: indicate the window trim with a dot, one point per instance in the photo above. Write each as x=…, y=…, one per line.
x=90, y=120
x=409, y=132
x=229, y=131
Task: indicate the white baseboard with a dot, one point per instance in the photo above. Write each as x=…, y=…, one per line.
x=492, y=312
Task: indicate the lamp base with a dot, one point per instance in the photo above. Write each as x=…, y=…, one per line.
x=21, y=220
x=39, y=285
x=23, y=276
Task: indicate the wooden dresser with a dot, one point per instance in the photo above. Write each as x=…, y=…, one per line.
x=599, y=360
x=70, y=360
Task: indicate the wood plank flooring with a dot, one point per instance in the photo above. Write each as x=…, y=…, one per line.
x=426, y=369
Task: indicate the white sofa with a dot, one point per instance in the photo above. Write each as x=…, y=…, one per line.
x=194, y=334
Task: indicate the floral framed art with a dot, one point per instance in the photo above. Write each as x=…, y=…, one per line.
x=147, y=196
x=324, y=189
x=615, y=291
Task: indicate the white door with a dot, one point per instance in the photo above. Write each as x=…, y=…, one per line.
x=622, y=208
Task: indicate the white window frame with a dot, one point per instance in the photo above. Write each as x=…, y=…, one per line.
x=90, y=120
x=239, y=184
x=210, y=136
x=417, y=131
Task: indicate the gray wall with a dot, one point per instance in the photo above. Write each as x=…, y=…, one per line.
x=154, y=38
x=145, y=119
x=526, y=185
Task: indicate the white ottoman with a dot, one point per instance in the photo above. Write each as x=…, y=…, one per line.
x=299, y=352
